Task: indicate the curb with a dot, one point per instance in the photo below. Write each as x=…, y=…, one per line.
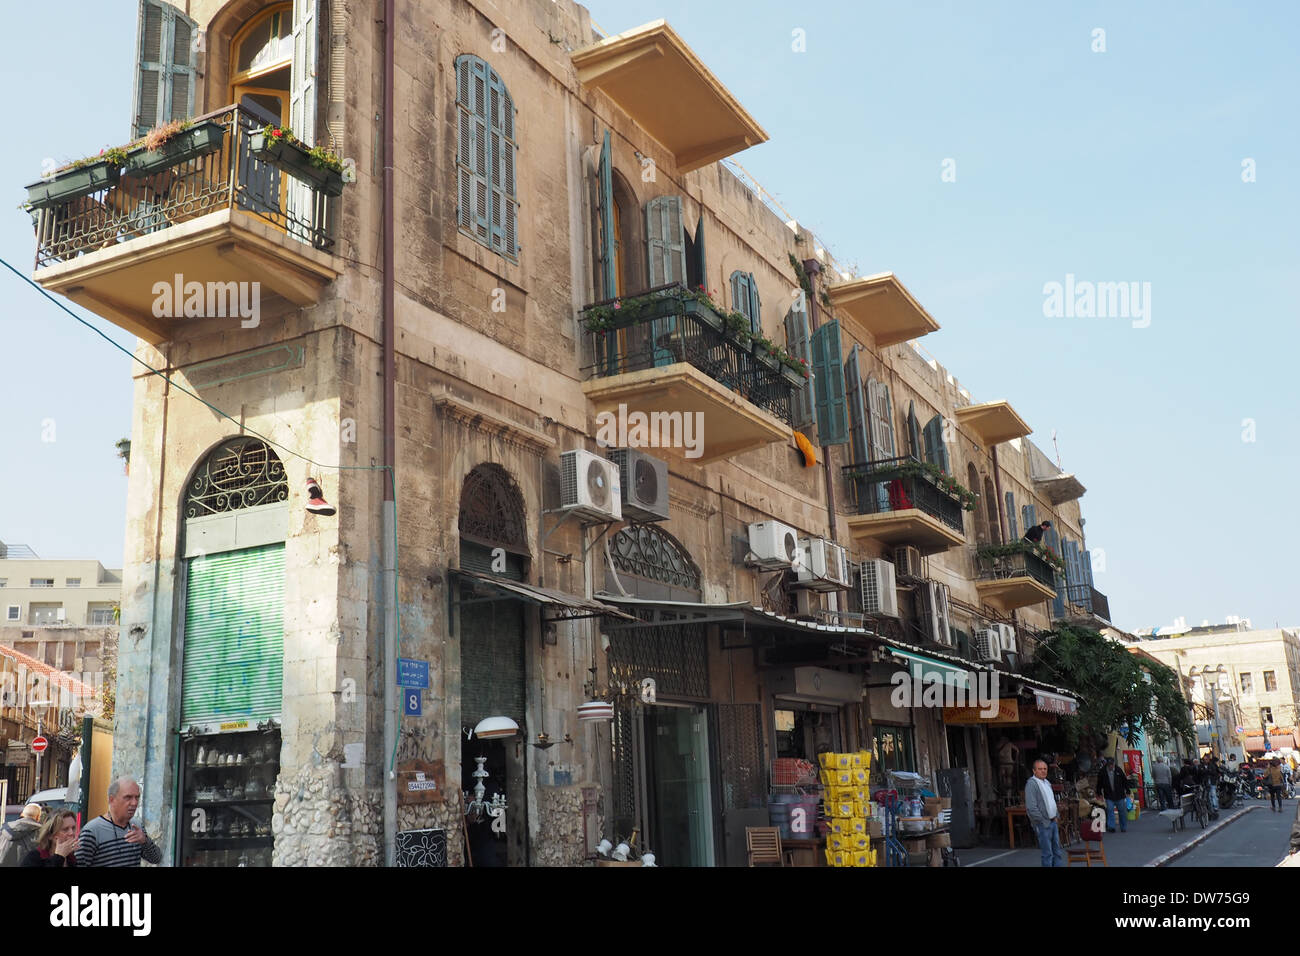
x=1200, y=838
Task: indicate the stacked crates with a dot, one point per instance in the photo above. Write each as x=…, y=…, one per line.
x=844, y=780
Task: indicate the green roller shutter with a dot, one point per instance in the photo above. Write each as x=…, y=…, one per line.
x=234, y=636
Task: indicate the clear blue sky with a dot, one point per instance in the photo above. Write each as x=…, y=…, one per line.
x=1117, y=166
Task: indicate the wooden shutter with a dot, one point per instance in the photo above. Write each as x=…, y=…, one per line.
x=755, y=311
x=914, y=433
x=299, y=199
x=882, y=421
x=234, y=636
x=1011, y=516
x=858, y=421
x=1086, y=558
x=936, y=452
x=665, y=250
x=608, y=241
x=798, y=345
x=472, y=157
x=165, y=78
x=699, y=264
x=829, y=383
x=1053, y=540
x=501, y=168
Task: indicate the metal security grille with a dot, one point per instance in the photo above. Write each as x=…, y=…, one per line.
x=234, y=636
x=492, y=510
x=240, y=473
x=491, y=659
x=624, y=809
x=740, y=743
x=675, y=655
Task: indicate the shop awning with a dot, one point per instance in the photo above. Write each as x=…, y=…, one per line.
x=1051, y=703
x=566, y=606
x=1278, y=741
x=924, y=667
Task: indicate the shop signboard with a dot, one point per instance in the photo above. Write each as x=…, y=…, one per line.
x=1008, y=712
x=418, y=781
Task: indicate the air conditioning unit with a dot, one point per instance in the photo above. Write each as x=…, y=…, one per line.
x=907, y=560
x=644, y=480
x=589, y=486
x=876, y=582
x=988, y=645
x=1007, y=638
x=932, y=608
x=773, y=545
x=825, y=565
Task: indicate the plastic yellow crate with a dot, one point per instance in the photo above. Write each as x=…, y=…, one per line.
x=841, y=778
x=832, y=761
x=866, y=758
x=861, y=809
x=839, y=841
x=859, y=841
x=855, y=760
x=861, y=776
x=842, y=808
x=857, y=825
x=827, y=778
x=837, y=857
x=860, y=858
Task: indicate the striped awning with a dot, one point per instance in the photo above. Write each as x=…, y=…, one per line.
x=1051, y=703
x=923, y=667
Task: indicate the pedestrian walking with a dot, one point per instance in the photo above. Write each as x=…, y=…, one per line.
x=17, y=839
x=1040, y=807
x=1163, y=777
x=57, y=843
x=1274, y=780
x=1114, y=787
x=114, y=839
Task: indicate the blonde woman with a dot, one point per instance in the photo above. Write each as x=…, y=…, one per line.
x=57, y=843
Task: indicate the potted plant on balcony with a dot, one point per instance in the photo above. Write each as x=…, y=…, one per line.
x=315, y=166
x=737, y=328
x=701, y=305
x=765, y=351
x=80, y=178
x=174, y=143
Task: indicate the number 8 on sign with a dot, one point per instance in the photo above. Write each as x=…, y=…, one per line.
x=411, y=700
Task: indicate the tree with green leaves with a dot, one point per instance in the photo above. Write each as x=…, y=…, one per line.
x=1115, y=688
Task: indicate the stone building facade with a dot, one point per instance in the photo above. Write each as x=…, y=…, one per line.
x=536, y=174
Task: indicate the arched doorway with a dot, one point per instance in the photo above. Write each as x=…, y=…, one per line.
x=232, y=670
x=261, y=58
x=493, y=664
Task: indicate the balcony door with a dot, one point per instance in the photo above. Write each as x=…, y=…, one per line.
x=261, y=56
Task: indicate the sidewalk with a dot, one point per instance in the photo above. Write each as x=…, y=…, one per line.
x=1148, y=842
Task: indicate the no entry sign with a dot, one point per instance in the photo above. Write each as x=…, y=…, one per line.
x=39, y=745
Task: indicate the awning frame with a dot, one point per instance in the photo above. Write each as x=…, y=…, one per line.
x=565, y=604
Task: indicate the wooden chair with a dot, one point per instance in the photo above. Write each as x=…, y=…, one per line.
x=764, y=845
x=1084, y=852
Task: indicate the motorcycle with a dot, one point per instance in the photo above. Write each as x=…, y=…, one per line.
x=1258, y=786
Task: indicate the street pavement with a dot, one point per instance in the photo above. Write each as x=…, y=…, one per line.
x=1150, y=841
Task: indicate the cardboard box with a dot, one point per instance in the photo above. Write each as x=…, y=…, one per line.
x=932, y=806
x=938, y=841
x=876, y=827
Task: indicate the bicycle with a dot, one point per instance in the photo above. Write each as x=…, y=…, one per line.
x=1202, y=807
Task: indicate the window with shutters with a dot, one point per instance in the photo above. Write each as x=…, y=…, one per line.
x=936, y=451
x=981, y=522
x=165, y=74
x=991, y=509
x=1013, y=532
x=829, y=385
x=744, y=299
x=798, y=344
x=486, y=202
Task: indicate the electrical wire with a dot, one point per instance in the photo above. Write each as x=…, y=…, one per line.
x=244, y=428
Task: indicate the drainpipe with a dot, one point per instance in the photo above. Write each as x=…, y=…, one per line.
x=997, y=489
x=390, y=455
x=813, y=268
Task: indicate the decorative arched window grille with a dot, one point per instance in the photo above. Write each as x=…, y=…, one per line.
x=239, y=473
x=492, y=510
x=652, y=554
x=486, y=204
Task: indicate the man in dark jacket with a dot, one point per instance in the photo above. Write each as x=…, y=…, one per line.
x=17, y=839
x=1035, y=533
x=1114, y=787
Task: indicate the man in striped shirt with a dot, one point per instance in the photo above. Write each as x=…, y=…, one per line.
x=112, y=839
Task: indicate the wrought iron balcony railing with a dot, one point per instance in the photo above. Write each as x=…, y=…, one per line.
x=901, y=484
x=213, y=167
x=667, y=325
x=1014, y=561
x=1089, y=599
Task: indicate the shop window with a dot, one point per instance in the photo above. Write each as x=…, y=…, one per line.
x=1270, y=681
x=892, y=750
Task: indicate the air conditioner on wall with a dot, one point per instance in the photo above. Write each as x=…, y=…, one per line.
x=907, y=560
x=589, y=486
x=876, y=582
x=825, y=565
x=644, y=480
x=1007, y=636
x=932, y=608
x=773, y=545
x=988, y=644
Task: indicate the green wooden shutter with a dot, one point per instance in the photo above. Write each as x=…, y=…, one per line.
x=234, y=636
x=474, y=188
x=755, y=309
x=608, y=241
x=914, y=433
x=665, y=249
x=164, y=80
x=1011, y=516
x=298, y=196
x=936, y=452
x=699, y=261
x=882, y=422
x=744, y=299
x=828, y=381
x=501, y=170
x=858, y=421
x=797, y=344
x=1086, y=557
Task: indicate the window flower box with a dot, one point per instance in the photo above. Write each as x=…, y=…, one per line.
x=71, y=183
x=296, y=160
x=188, y=144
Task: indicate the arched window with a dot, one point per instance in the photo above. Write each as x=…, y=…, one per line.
x=651, y=563
x=239, y=473
x=485, y=157
x=261, y=59
x=492, y=515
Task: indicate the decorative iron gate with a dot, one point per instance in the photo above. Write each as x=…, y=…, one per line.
x=740, y=746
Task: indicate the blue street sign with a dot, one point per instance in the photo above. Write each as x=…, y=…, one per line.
x=411, y=701
x=412, y=673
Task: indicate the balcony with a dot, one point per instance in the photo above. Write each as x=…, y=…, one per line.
x=994, y=422
x=1013, y=576
x=658, y=80
x=882, y=306
x=667, y=355
x=900, y=501
x=1084, y=602
x=209, y=208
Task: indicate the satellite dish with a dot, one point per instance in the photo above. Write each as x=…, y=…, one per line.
x=597, y=489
